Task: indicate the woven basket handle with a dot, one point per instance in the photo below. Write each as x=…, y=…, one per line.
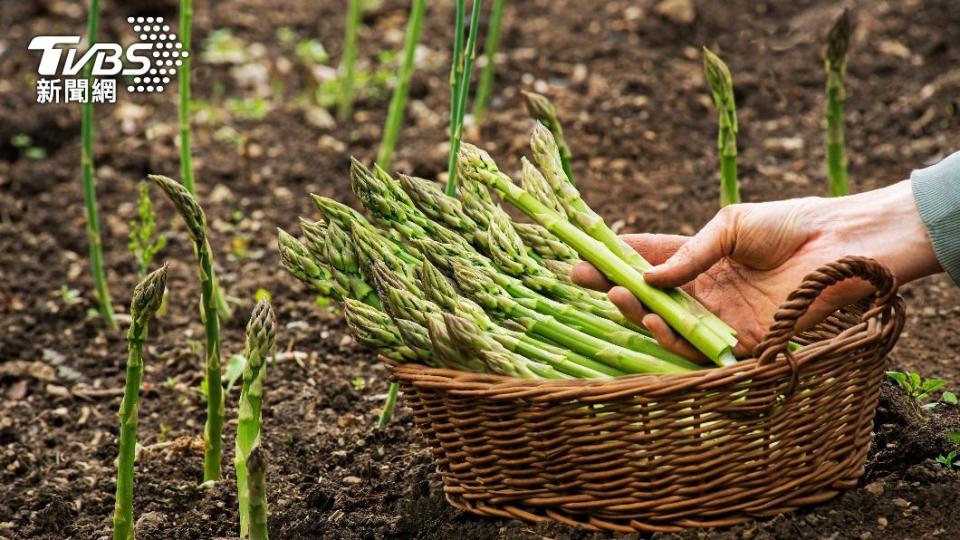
x=785, y=321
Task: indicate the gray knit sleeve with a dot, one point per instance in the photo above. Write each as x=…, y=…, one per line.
x=936, y=190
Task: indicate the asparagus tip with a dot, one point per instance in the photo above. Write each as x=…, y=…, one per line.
x=838, y=40
x=148, y=295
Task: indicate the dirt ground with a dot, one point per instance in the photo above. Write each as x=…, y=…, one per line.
x=628, y=83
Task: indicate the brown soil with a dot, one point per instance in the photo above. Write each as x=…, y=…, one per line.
x=639, y=121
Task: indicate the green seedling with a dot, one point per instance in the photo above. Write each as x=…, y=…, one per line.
x=950, y=461
x=919, y=389
x=143, y=245
x=24, y=145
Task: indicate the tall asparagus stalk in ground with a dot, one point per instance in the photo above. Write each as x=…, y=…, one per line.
x=460, y=84
x=257, y=488
x=391, y=130
x=183, y=82
x=838, y=44
x=261, y=335
x=90, y=182
x=721, y=86
x=147, y=297
x=478, y=166
x=489, y=54
x=196, y=223
x=349, y=59
x=540, y=109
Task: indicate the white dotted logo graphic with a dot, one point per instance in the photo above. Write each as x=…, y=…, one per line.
x=166, y=57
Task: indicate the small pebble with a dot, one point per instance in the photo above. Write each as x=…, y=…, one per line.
x=882, y=522
x=901, y=503
x=352, y=480
x=875, y=488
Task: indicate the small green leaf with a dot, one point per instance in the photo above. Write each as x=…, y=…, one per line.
x=954, y=436
x=915, y=381
x=930, y=385
x=358, y=383
x=949, y=398
x=899, y=378
x=234, y=369
x=35, y=153
x=21, y=140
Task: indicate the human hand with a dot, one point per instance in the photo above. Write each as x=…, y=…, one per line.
x=746, y=260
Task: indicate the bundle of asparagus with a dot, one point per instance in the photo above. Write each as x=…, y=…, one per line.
x=456, y=283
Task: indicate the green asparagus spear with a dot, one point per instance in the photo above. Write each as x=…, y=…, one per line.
x=838, y=44
x=540, y=109
x=195, y=221
x=261, y=336
x=257, y=489
x=147, y=297
x=721, y=86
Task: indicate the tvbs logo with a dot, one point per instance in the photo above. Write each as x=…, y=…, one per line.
x=147, y=65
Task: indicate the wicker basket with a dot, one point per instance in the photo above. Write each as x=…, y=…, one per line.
x=661, y=453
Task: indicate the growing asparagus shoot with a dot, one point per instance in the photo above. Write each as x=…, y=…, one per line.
x=90, y=182
x=542, y=110
x=183, y=82
x=835, y=61
x=261, y=336
x=348, y=60
x=721, y=87
x=147, y=297
x=257, y=492
x=196, y=223
x=461, y=72
x=398, y=102
x=489, y=54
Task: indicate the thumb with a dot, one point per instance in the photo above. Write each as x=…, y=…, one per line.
x=697, y=255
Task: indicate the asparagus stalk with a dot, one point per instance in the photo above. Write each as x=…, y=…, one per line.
x=147, y=297
x=461, y=90
x=261, y=332
x=296, y=259
x=333, y=246
x=398, y=102
x=562, y=269
x=532, y=180
x=478, y=166
x=183, y=83
x=507, y=251
x=489, y=53
x=348, y=218
x=838, y=44
x=438, y=289
x=90, y=182
x=578, y=213
x=375, y=329
x=653, y=359
x=257, y=489
x=349, y=59
x=196, y=223
x=721, y=86
x=540, y=109
x=472, y=341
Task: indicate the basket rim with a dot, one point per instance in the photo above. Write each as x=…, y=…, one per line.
x=467, y=382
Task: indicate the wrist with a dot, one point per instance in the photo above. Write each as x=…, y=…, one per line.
x=884, y=224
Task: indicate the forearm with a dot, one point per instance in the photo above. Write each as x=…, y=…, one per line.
x=885, y=224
